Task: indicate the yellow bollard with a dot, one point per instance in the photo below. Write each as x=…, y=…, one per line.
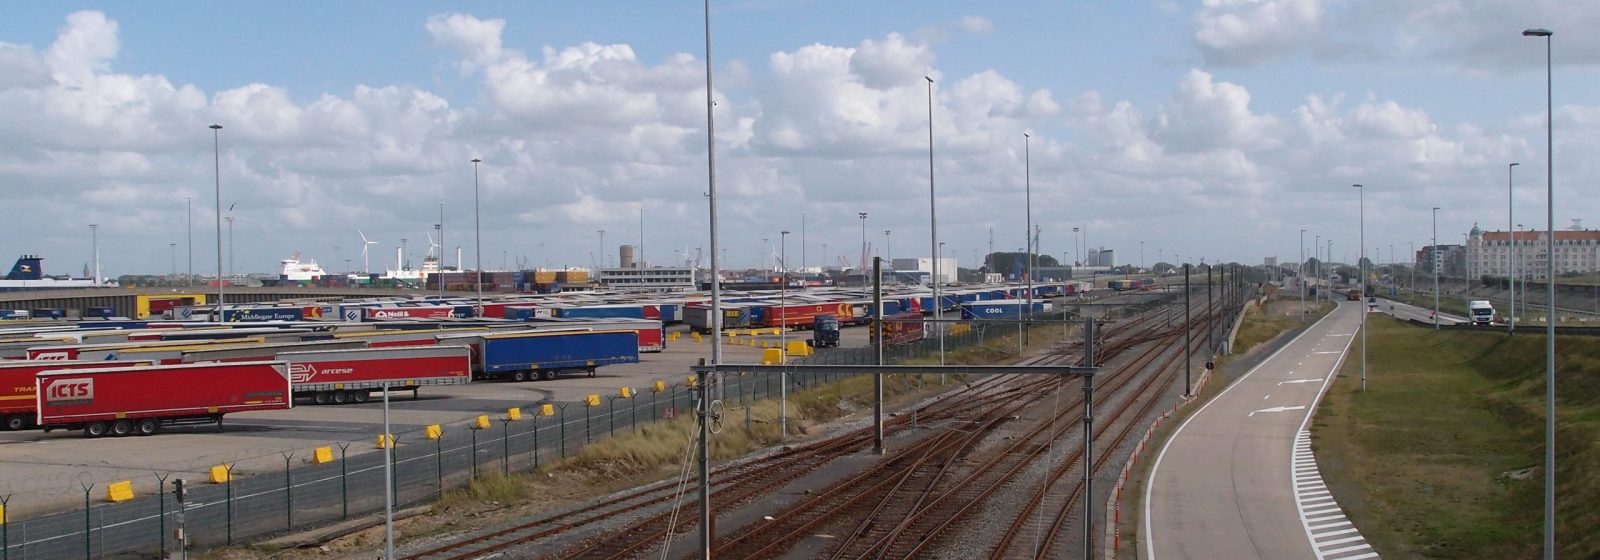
x=385, y=442
x=772, y=356
x=547, y=409
x=481, y=422
x=324, y=455
x=659, y=386
x=119, y=491
x=220, y=474
x=591, y=400
x=514, y=414
x=625, y=392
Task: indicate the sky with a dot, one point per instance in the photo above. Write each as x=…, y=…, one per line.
x=1215, y=128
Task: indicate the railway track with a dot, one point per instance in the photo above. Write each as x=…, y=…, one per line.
x=643, y=516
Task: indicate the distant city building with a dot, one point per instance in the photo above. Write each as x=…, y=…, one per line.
x=1453, y=257
x=660, y=279
x=1576, y=250
x=1270, y=262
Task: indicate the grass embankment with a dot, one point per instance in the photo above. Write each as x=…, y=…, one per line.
x=1278, y=316
x=1441, y=457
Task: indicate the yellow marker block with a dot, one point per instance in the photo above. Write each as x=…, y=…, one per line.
x=698, y=338
x=547, y=410
x=433, y=431
x=3, y=517
x=481, y=423
x=625, y=392
x=322, y=455
x=385, y=442
x=772, y=356
x=220, y=474
x=799, y=348
x=119, y=491
x=514, y=414
x=591, y=400
x=776, y=332
x=693, y=381
x=658, y=386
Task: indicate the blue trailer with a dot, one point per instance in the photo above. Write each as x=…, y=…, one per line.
x=263, y=314
x=1009, y=309
x=523, y=356
x=602, y=311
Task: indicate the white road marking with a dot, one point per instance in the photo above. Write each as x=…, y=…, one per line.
x=1149, y=534
x=1326, y=526
x=1328, y=352
x=1299, y=381
x=1277, y=409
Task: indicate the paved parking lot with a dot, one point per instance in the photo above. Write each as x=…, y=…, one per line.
x=43, y=471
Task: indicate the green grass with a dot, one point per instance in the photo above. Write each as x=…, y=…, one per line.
x=1434, y=460
x=1258, y=326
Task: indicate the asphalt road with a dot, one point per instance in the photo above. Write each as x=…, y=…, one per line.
x=1237, y=479
x=1408, y=311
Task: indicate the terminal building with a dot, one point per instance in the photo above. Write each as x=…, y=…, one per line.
x=634, y=275
x=1489, y=253
x=947, y=268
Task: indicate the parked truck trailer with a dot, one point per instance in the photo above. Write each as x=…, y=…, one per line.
x=345, y=376
x=525, y=356
x=141, y=400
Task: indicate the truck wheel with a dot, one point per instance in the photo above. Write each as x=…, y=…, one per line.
x=95, y=429
x=341, y=397
x=121, y=428
x=519, y=376
x=360, y=396
x=547, y=375
x=16, y=422
x=321, y=397
x=147, y=427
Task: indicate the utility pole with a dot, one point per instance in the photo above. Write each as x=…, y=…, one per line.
x=1188, y=337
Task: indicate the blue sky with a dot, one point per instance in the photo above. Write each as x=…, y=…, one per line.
x=1151, y=120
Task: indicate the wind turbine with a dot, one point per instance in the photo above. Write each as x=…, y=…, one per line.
x=433, y=246
x=365, y=264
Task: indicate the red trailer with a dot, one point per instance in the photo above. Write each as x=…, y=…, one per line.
x=430, y=312
x=900, y=328
x=341, y=376
x=804, y=315
x=265, y=351
x=140, y=400
x=17, y=407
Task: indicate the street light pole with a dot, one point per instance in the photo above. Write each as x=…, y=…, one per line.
x=188, y=201
x=231, y=270
x=1432, y=260
x=862, y=264
x=1027, y=182
x=704, y=405
x=1300, y=272
x=94, y=237
x=1361, y=273
x=1550, y=303
x=477, y=243
x=933, y=228
x=439, y=275
x=783, y=333
x=1511, y=218
x=216, y=166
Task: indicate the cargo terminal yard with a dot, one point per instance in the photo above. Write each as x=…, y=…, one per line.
x=476, y=363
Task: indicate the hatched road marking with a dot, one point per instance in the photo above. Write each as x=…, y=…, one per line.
x=1333, y=537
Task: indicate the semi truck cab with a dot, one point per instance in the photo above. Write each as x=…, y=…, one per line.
x=1482, y=312
x=825, y=331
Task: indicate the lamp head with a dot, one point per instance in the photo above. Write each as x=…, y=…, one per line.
x=1514, y=164
x=1357, y=185
x=476, y=160
x=1537, y=33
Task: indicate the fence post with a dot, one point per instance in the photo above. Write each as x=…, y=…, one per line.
x=655, y=396
x=613, y=415
x=5, y=529
x=229, y=484
x=505, y=446
x=161, y=515
x=344, y=482
x=474, y=453
x=438, y=464
x=88, y=543
x=633, y=414
x=563, y=435
x=536, y=439
x=288, y=491
x=588, y=434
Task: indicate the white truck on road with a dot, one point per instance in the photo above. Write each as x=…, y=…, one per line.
x=1482, y=312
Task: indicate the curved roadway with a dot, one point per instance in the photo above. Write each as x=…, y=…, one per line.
x=1237, y=479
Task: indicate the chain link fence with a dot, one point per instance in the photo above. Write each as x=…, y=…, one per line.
x=305, y=494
